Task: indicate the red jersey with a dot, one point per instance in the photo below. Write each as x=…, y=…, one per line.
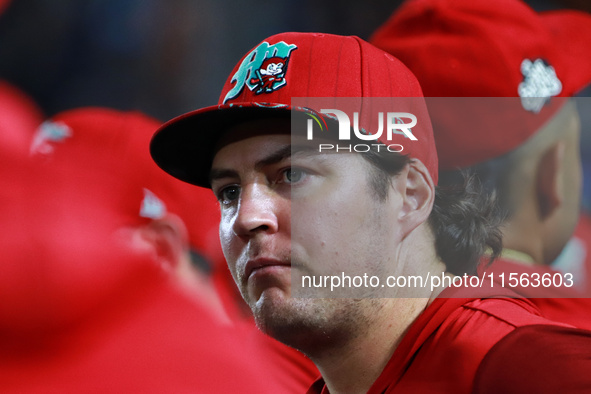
x=562, y=367
x=443, y=348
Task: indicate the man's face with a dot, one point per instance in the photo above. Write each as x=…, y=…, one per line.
x=286, y=211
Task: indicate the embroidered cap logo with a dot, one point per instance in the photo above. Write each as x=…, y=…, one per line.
x=539, y=84
x=262, y=70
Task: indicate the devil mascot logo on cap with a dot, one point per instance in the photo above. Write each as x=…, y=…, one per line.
x=262, y=70
x=270, y=74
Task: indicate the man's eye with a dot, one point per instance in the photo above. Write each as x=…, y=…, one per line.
x=293, y=175
x=229, y=194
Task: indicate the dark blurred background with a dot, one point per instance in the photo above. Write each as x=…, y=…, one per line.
x=163, y=57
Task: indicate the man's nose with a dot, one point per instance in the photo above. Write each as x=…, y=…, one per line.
x=257, y=211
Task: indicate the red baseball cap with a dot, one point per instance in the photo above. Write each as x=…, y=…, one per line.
x=279, y=69
x=108, y=145
x=479, y=48
x=118, y=142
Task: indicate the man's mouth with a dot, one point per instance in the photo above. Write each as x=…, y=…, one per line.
x=264, y=265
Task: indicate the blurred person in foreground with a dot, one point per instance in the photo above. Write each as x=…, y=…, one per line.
x=513, y=127
x=85, y=304
x=289, y=209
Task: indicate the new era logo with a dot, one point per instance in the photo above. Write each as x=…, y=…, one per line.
x=540, y=83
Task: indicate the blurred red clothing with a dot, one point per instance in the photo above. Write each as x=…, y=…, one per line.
x=145, y=338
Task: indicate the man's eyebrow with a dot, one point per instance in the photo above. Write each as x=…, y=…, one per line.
x=284, y=153
x=215, y=174
x=273, y=158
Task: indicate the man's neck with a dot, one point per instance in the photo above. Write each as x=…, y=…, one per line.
x=354, y=368
x=356, y=363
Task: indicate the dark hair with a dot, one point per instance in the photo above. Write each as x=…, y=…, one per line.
x=495, y=179
x=465, y=221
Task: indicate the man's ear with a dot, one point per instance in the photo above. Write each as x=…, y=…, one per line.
x=168, y=238
x=418, y=195
x=549, y=178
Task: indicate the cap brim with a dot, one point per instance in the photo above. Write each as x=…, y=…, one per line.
x=185, y=146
